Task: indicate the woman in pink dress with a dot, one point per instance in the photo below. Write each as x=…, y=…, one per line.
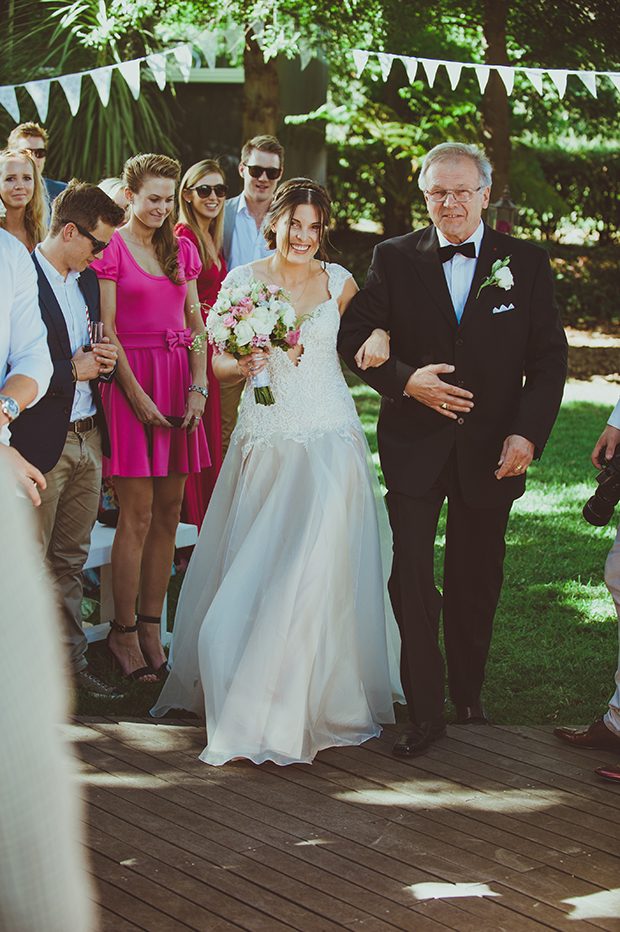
x=149, y=304
x=201, y=200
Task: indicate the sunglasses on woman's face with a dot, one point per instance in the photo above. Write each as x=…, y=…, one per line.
x=257, y=170
x=204, y=190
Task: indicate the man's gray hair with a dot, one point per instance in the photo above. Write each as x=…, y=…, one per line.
x=452, y=152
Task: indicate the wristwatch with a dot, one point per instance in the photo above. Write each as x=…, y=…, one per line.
x=9, y=407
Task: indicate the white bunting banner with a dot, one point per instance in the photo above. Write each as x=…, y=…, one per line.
x=102, y=78
x=72, y=86
x=208, y=45
x=130, y=70
x=454, y=69
x=385, y=61
x=157, y=64
x=482, y=73
x=8, y=99
x=306, y=54
x=507, y=73
x=40, y=93
x=589, y=79
x=183, y=55
x=361, y=59
x=411, y=67
x=536, y=78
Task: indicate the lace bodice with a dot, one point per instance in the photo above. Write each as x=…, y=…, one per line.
x=311, y=397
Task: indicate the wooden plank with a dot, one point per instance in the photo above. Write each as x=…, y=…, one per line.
x=557, y=922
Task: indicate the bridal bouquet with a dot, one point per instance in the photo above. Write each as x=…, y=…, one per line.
x=255, y=316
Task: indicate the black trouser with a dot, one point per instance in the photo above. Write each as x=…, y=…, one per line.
x=472, y=581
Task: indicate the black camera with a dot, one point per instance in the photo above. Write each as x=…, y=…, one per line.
x=599, y=509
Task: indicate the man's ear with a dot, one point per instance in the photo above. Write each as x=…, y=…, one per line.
x=241, y=169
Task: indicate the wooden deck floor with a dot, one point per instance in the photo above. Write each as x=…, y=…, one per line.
x=508, y=829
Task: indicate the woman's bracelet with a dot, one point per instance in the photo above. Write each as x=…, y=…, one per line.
x=198, y=388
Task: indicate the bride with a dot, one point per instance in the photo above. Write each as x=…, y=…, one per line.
x=281, y=632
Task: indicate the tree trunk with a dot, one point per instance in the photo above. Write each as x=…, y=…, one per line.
x=260, y=104
x=495, y=109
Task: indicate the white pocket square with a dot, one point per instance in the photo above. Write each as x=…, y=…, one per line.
x=503, y=307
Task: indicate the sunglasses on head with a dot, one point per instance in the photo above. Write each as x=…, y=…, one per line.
x=257, y=170
x=204, y=190
x=98, y=245
x=36, y=153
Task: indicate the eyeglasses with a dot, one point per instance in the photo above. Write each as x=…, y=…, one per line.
x=257, y=170
x=36, y=153
x=98, y=245
x=204, y=190
x=460, y=195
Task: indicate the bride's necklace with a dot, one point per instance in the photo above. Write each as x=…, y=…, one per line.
x=300, y=295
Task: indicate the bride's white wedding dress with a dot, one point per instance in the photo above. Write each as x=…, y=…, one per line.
x=280, y=634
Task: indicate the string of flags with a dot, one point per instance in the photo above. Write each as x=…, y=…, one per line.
x=430, y=66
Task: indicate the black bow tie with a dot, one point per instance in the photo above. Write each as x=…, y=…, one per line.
x=447, y=252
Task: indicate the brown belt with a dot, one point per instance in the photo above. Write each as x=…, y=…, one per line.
x=83, y=426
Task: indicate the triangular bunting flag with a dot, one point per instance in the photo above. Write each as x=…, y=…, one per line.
x=157, y=64
x=9, y=102
x=72, y=86
x=614, y=77
x=183, y=55
x=536, y=77
x=589, y=79
x=257, y=29
x=361, y=60
x=385, y=61
x=430, y=68
x=130, y=70
x=101, y=79
x=233, y=38
x=40, y=93
x=411, y=66
x=482, y=73
x=558, y=76
x=306, y=54
x=507, y=75
x=454, y=69
x=208, y=44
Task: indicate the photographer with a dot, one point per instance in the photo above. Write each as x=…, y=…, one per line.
x=604, y=734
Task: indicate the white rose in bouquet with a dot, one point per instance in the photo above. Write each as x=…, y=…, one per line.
x=244, y=331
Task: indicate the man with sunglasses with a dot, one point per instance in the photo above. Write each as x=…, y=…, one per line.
x=262, y=161
x=65, y=433
x=34, y=139
x=470, y=393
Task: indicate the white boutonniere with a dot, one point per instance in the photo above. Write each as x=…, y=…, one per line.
x=500, y=276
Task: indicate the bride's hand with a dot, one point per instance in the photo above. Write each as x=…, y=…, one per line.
x=375, y=351
x=253, y=364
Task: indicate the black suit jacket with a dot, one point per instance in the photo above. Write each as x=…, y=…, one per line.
x=40, y=432
x=406, y=293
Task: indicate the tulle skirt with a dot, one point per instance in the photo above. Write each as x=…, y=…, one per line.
x=284, y=636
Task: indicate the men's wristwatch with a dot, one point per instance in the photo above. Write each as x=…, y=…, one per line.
x=9, y=407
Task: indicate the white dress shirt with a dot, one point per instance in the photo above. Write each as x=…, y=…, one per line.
x=614, y=417
x=75, y=312
x=248, y=243
x=459, y=271
x=23, y=335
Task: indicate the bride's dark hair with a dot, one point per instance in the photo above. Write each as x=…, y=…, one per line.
x=287, y=198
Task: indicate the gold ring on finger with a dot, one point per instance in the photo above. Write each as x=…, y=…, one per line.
x=445, y=406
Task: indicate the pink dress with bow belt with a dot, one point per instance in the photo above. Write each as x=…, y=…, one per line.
x=150, y=324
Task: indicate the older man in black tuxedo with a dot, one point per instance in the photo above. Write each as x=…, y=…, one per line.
x=470, y=393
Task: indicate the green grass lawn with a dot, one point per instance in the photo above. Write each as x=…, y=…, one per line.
x=555, y=645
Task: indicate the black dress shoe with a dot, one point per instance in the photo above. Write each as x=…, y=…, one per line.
x=471, y=714
x=417, y=739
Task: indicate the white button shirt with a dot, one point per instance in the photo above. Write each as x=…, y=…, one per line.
x=75, y=312
x=23, y=335
x=248, y=243
x=459, y=271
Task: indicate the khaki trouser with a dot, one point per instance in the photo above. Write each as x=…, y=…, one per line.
x=230, y=396
x=66, y=517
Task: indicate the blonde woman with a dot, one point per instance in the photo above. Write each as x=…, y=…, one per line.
x=154, y=407
x=21, y=192
x=202, y=196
